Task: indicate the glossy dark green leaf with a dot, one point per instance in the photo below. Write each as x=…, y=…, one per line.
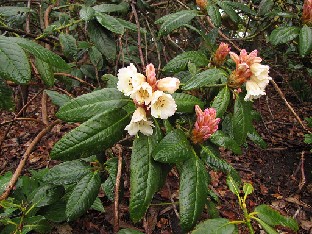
x=67, y=172
x=88, y=105
x=209, y=77
x=284, y=34
x=173, y=148
x=69, y=45
x=179, y=63
x=96, y=57
x=14, y=63
x=46, y=195
x=255, y=137
x=13, y=10
x=98, y=205
x=86, y=13
x=6, y=96
x=214, y=14
x=175, y=20
x=37, y=223
x=186, y=102
x=228, y=9
x=274, y=218
x=131, y=26
x=109, y=185
x=58, y=99
x=46, y=72
x=83, y=195
x=265, y=7
x=305, y=41
x=241, y=6
x=55, y=212
x=145, y=175
x=98, y=133
x=4, y=180
x=42, y=53
x=221, y=101
x=101, y=39
x=110, y=23
x=108, y=8
x=215, y=226
x=193, y=191
x=220, y=139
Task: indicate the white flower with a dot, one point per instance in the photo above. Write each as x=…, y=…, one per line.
x=259, y=79
x=128, y=78
x=162, y=105
x=168, y=84
x=140, y=123
x=142, y=94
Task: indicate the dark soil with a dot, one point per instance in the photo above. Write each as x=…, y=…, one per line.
x=281, y=173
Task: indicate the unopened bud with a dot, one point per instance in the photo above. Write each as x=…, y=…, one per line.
x=307, y=12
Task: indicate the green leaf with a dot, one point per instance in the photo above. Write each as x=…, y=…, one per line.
x=242, y=121
x=305, y=40
x=110, y=23
x=145, y=175
x=55, y=212
x=14, y=63
x=179, y=63
x=228, y=9
x=46, y=195
x=308, y=138
x=186, y=102
x=4, y=180
x=46, y=72
x=13, y=11
x=284, y=34
x=209, y=77
x=129, y=231
x=42, y=53
x=86, y=13
x=215, y=226
x=88, y=105
x=69, y=45
x=98, y=133
x=103, y=42
x=108, y=8
x=131, y=26
x=109, y=185
x=274, y=218
x=97, y=205
x=214, y=14
x=266, y=227
x=83, y=195
x=6, y=97
x=193, y=191
x=233, y=185
x=96, y=57
x=174, y=21
x=241, y=6
x=67, y=172
x=265, y=7
x=173, y=148
x=220, y=139
x=37, y=223
x=221, y=101
x=254, y=136
x=248, y=189
x=57, y=98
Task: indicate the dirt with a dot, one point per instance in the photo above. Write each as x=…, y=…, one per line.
x=281, y=173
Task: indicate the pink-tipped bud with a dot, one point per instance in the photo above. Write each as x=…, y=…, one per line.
x=205, y=125
x=307, y=12
x=150, y=74
x=221, y=53
x=168, y=84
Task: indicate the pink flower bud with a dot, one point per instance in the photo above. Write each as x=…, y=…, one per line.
x=168, y=84
x=205, y=125
x=221, y=53
x=307, y=12
x=150, y=74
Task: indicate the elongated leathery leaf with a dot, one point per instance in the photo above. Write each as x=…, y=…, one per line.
x=175, y=20
x=305, y=40
x=220, y=139
x=274, y=218
x=111, y=23
x=208, y=77
x=186, y=102
x=284, y=34
x=173, y=148
x=242, y=122
x=214, y=14
x=88, y=105
x=83, y=195
x=58, y=99
x=108, y=8
x=6, y=96
x=228, y=9
x=67, y=172
x=69, y=45
x=215, y=226
x=46, y=195
x=144, y=175
x=14, y=63
x=180, y=62
x=221, y=101
x=40, y=52
x=46, y=72
x=99, y=132
x=193, y=191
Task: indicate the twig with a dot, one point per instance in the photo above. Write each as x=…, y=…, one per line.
x=172, y=201
x=139, y=32
x=303, y=179
x=22, y=163
x=117, y=184
x=74, y=77
x=27, y=104
x=44, y=108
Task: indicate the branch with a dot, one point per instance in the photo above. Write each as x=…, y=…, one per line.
x=22, y=163
x=74, y=77
x=117, y=185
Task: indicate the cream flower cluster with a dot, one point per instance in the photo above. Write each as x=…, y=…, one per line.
x=152, y=97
